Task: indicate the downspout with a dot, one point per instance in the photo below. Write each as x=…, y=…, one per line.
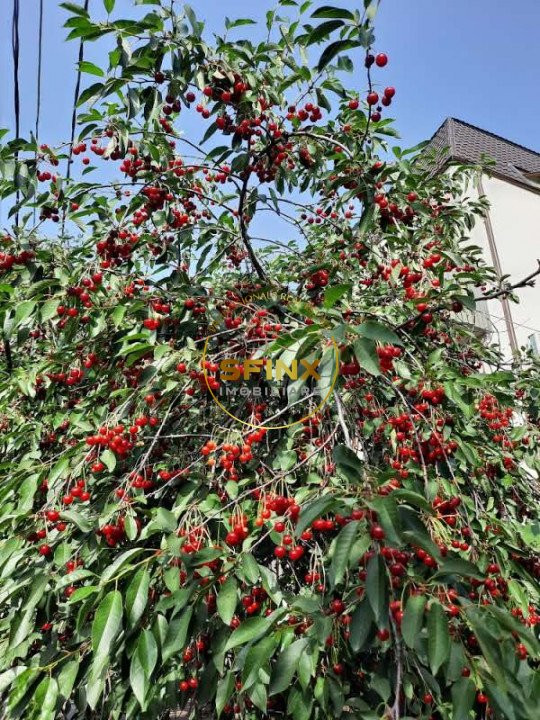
x=495, y=259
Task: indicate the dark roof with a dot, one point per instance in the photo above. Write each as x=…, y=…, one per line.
x=468, y=143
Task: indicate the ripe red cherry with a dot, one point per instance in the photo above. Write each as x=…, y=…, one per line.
x=377, y=533
x=190, y=97
x=184, y=686
x=296, y=553
x=372, y=98
x=193, y=683
x=280, y=551
x=383, y=634
x=481, y=698
x=353, y=104
x=381, y=59
x=45, y=550
x=389, y=92
x=428, y=698
x=189, y=304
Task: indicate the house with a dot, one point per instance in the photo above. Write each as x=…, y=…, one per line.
x=510, y=233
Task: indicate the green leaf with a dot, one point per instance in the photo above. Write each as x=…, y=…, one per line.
x=322, y=31
x=77, y=519
x=342, y=548
x=365, y=351
x=335, y=293
x=327, y=11
x=438, y=637
x=45, y=698
x=257, y=656
x=109, y=458
x=458, y=566
x=388, y=517
x=286, y=666
x=377, y=588
x=248, y=630
x=48, y=309
x=23, y=312
x=23, y=622
x=90, y=94
x=463, y=695
x=361, y=623
x=67, y=677
x=330, y=52
x=311, y=512
x=90, y=68
x=111, y=571
x=348, y=462
x=379, y=332
x=224, y=691
x=413, y=619
x=109, y=5
x=58, y=469
x=176, y=634
x=107, y=625
x=227, y=599
x=142, y=665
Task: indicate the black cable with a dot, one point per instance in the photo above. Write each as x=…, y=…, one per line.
x=38, y=93
x=75, y=98
x=15, y=49
x=40, y=49
x=16, y=95
x=74, y=114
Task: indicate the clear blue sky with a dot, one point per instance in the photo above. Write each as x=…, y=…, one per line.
x=478, y=60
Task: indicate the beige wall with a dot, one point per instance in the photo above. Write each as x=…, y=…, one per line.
x=515, y=220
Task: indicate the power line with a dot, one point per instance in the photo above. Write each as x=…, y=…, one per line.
x=16, y=95
x=74, y=114
x=38, y=85
x=40, y=52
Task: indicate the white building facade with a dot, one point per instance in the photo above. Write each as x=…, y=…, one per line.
x=510, y=233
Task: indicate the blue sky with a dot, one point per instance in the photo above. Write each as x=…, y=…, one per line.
x=474, y=59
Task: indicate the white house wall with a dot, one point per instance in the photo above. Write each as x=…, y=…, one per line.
x=515, y=220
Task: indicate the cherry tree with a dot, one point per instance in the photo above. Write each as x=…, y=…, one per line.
x=257, y=459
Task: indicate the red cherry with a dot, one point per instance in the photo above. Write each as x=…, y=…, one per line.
x=428, y=698
x=481, y=698
x=45, y=550
x=280, y=551
x=372, y=98
x=383, y=634
x=389, y=92
x=381, y=59
x=377, y=533
x=353, y=104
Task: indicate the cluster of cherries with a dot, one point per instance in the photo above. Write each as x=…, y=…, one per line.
x=8, y=260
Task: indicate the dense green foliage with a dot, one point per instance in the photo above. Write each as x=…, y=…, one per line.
x=378, y=559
